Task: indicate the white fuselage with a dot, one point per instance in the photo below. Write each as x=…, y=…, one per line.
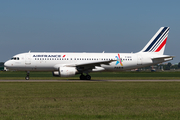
x=37, y=61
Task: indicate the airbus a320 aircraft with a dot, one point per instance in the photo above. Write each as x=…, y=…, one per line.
x=70, y=64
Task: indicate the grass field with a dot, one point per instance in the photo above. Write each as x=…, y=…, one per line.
x=95, y=76
x=90, y=100
x=95, y=100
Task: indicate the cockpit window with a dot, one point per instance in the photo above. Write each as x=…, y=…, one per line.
x=15, y=58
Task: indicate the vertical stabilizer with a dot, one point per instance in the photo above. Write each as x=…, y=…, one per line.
x=158, y=42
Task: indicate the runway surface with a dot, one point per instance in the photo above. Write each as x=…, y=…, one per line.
x=89, y=80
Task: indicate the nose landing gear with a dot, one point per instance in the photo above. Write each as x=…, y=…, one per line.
x=27, y=76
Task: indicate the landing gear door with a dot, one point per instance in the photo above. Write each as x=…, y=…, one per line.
x=28, y=59
x=139, y=60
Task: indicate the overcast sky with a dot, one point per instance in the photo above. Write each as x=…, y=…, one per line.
x=86, y=25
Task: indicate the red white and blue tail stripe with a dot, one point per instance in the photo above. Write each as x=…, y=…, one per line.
x=157, y=42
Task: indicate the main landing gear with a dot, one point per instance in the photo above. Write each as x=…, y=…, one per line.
x=27, y=76
x=83, y=77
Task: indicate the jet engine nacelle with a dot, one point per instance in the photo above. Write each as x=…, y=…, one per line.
x=65, y=72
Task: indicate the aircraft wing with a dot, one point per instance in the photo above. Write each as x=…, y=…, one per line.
x=90, y=65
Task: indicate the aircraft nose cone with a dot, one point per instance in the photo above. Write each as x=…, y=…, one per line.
x=7, y=64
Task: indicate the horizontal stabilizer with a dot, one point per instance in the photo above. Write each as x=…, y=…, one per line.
x=164, y=58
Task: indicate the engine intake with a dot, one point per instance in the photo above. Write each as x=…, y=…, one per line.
x=65, y=72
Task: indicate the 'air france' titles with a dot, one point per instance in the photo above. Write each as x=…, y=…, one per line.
x=46, y=55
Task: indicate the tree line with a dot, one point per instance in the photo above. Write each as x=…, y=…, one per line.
x=169, y=66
